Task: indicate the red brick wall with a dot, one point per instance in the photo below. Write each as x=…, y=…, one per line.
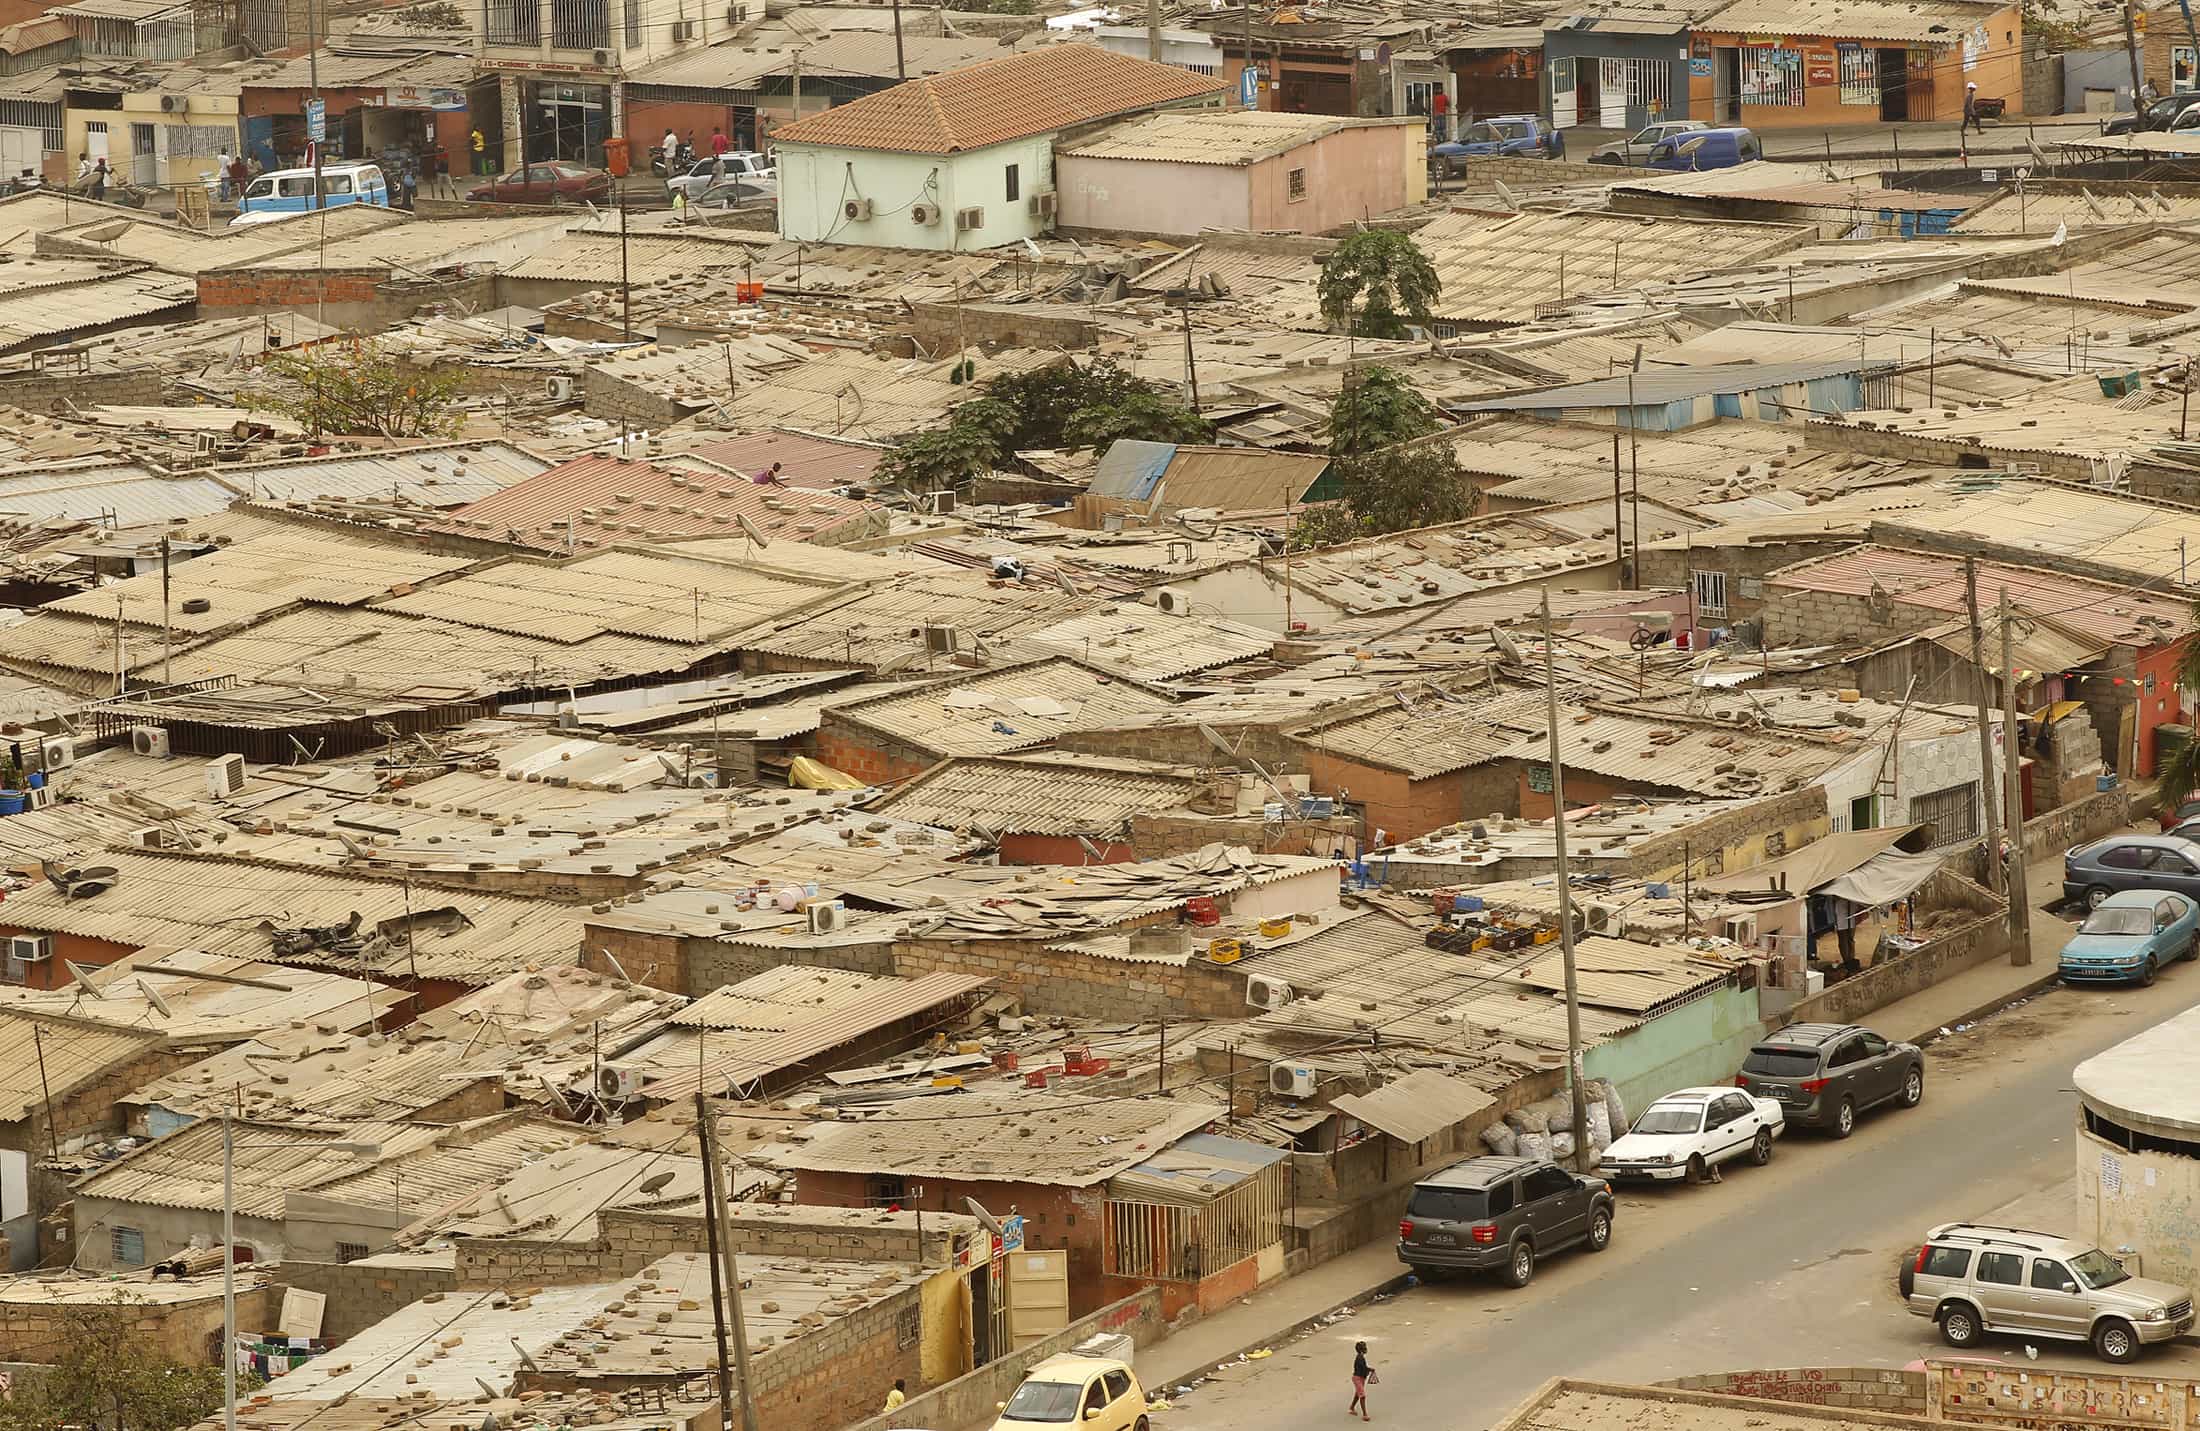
x=868, y=755
x=652, y=959
x=91, y=953
x=251, y=290
x=1399, y=806
x=1582, y=788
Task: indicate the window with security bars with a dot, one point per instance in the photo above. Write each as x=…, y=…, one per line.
x=350, y=1251
x=1295, y=181
x=198, y=141
x=126, y=1247
x=1859, y=75
x=1772, y=76
x=1710, y=593
x=1952, y=813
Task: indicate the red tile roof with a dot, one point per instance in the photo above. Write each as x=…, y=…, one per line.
x=807, y=461
x=2125, y=615
x=611, y=500
x=994, y=101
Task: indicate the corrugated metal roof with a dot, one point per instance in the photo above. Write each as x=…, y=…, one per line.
x=1130, y=468
x=1043, y=794
x=807, y=459
x=1658, y=385
x=201, y=1000
x=255, y=577
x=75, y=1052
x=601, y=501
x=1432, y=733
x=617, y=592
x=52, y=310
x=1216, y=136
x=1195, y=1170
x=1419, y=1105
x=1138, y=641
x=86, y=494
x=1622, y=975
x=859, y=54
x=1033, y=1138
x=1652, y=752
x=2123, y=615
x=1001, y=711
x=1236, y=479
x=1935, y=22
x=440, y=475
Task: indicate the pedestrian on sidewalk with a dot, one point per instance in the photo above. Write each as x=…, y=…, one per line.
x=1362, y=1374
x=898, y=1395
x=1971, y=120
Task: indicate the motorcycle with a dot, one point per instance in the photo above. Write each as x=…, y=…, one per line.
x=683, y=159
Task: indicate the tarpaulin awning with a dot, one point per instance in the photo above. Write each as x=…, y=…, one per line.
x=1419, y=1105
x=1883, y=879
x=1811, y=867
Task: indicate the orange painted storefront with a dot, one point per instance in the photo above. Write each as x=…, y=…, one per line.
x=1931, y=89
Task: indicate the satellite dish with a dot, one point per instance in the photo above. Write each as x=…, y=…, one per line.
x=152, y=996
x=1511, y=202
x=83, y=980
x=1214, y=738
x=748, y=529
x=616, y=968
x=657, y=1184
x=1062, y=579
x=1092, y=851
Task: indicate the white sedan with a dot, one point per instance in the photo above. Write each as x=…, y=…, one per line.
x=1686, y=1133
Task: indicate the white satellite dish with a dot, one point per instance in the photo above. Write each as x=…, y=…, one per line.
x=748, y=529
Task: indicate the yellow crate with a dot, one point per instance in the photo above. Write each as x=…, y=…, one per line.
x=947, y=1080
x=1274, y=928
x=1545, y=936
x=1225, y=951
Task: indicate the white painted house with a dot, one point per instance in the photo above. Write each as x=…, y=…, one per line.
x=963, y=159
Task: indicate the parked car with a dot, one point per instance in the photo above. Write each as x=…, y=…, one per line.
x=1705, y=149
x=2170, y=814
x=279, y=193
x=2129, y=936
x=1507, y=136
x=1493, y=1214
x=2095, y=871
x=2162, y=114
x=1973, y=1279
x=740, y=164
x=1687, y=1133
x=1638, y=145
x=737, y=193
x=1094, y=1392
x=1823, y=1075
x=555, y=181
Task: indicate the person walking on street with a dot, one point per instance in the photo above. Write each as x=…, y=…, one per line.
x=221, y=175
x=240, y=174
x=481, y=146
x=1971, y=120
x=83, y=170
x=718, y=144
x=99, y=181
x=898, y=1395
x=1362, y=1374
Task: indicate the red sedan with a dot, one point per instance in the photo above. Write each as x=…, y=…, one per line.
x=554, y=181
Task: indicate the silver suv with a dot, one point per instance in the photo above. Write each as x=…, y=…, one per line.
x=1972, y=1279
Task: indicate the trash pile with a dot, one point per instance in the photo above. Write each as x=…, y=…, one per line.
x=1546, y=1129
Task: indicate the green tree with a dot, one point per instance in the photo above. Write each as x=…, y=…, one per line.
x=1377, y=408
x=1392, y=490
x=106, y=1373
x=360, y=388
x=1050, y=400
x=1375, y=282
x=943, y=457
x=1147, y=416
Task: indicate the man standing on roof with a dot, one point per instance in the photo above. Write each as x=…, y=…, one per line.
x=1970, y=110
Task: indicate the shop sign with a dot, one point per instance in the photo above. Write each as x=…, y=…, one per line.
x=416, y=96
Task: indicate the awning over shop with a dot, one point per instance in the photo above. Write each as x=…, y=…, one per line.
x=1417, y=1106
x=1811, y=868
x=1884, y=878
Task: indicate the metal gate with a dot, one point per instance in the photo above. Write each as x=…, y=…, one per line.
x=1859, y=75
x=1771, y=75
x=1631, y=92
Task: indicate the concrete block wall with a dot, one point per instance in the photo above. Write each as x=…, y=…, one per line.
x=359, y=1295
x=1080, y=985
x=710, y=964
x=1184, y=745
x=136, y=387
x=611, y=398
x=2079, y=821
x=1736, y=838
x=1861, y=1388
x=1983, y=937
x=868, y=754
x=971, y=1399
x=944, y=327
x=187, y=1332
x=1828, y=436
x=258, y=290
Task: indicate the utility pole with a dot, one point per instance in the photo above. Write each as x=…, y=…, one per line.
x=1248, y=56
x=1583, y=1155
x=901, y=71
x=1634, y=472
x=313, y=77
x=717, y=1278
x=715, y=1170
x=1153, y=30
x=229, y=1273
x=2131, y=48
x=2020, y=912
x=1191, y=364
x=1619, y=525
x=1985, y=728
x=168, y=632
x=795, y=74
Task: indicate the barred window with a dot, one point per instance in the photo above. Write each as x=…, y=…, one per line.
x=126, y=1246
x=198, y=141
x=350, y=1251
x=1772, y=76
x=1953, y=813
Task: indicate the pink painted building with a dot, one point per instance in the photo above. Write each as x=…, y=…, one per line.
x=1183, y=171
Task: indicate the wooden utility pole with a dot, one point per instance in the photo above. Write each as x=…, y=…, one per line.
x=1985, y=728
x=715, y=1169
x=2020, y=912
x=717, y=1251
x=2131, y=48
x=1153, y=30
x=1584, y=1155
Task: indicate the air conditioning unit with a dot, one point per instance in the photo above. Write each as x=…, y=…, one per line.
x=827, y=916
x=1600, y=918
x=940, y=640
x=924, y=215
x=171, y=103
x=152, y=837
x=940, y=503
x=617, y=1082
x=856, y=211
x=736, y=14
x=558, y=389
x=968, y=219
x=30, y=948
x=1263, y=992
x=225, y=777
x=56, y=752
x=1042, y=206
x=149, y=740
x=602, y=57
x=1291, y=1080
x=41, y=797
x=1171, y=602
x=1742, y=928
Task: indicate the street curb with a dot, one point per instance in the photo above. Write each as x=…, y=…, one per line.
x=1284, y=1334
x=1993, y=1006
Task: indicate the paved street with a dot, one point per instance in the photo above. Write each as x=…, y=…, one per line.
x=1787, y=1265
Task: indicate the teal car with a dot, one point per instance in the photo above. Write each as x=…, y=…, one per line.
x=2129, y=936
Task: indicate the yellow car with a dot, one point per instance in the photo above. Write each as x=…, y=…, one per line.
x=1093, y=1393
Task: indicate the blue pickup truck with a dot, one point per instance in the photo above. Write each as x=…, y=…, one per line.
x=1505, y=136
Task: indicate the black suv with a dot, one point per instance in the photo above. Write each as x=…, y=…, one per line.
x=1500, y=1214
x=1823, y=1075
